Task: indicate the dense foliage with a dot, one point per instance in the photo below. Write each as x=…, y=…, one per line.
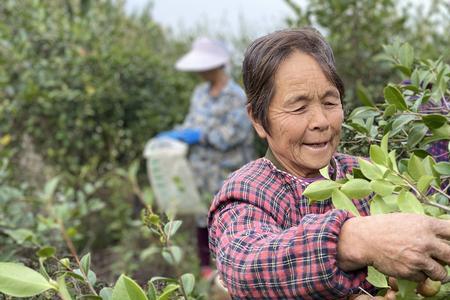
x=402, y=175
x=87, y=83
x=357, y=30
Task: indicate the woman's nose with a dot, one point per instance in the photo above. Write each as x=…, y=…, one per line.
x=318, y=119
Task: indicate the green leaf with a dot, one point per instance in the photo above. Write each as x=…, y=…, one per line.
x=383, y=205
x=399, y=122
x=441, y=133
x=356, y=188
x=443, y=168
x=395, y=97
x=50, y=187
x=408, y=203
x=377, y=207
x=370, y=170
x=416, y=134
x=385, y=143
x=172, y=254
x=363, y=95
x=382, y=187
x=324, y=172
x=406, y=288
x=86, y=263
x=403, y=69
x=20, y=235
x=106, y=293
x=420, y=153
x=341, y=201
x=406, y=57
x=46, y=252
x=320, y=190
x=151, y=291
x=357, y=126
x=65, y=262
x=171, y=227
x=393, y=161
x=424, y=183
x=164, y=279
x=389, y=111
x=188, y=282
x=168, y=291
x=411, y=87
x=127, y=289
x=76, y=275
x=428, y=165
x=377, y=155
x=434, y=121
x=363, y=112
x=19, y=281
x=391, y=202
x=62, y=288
x=432, y=211
x=415, y=167
x=376, y=278
x=91, y=277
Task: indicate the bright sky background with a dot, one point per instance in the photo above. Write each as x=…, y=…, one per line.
x=257, y=16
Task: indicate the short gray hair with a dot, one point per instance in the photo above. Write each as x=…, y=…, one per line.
x=264, y=56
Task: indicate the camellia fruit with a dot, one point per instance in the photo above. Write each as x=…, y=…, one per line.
x=428, y=288
x=393, y=283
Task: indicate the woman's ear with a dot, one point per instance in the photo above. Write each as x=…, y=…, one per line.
x=258, y=127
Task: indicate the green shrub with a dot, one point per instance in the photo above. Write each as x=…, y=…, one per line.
x=88, y=84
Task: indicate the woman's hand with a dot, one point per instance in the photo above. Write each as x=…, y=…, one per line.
x=401, y=245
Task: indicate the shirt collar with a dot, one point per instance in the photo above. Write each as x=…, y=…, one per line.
x=269, y=155
x=226, y=89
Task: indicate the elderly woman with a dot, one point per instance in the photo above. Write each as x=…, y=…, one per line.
x=269, y=242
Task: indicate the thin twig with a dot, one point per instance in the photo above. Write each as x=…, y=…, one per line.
x=73, y=251
x=366, y=292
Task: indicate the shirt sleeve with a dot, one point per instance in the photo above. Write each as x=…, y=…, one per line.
x=259, y=260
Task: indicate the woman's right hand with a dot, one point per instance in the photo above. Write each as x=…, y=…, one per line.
x=408, y=246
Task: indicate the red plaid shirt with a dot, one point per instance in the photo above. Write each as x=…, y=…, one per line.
x=270, y=243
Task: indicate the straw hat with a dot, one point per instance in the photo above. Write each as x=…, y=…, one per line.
x=206, y=54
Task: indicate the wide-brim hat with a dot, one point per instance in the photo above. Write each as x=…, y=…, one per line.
x=206, y=54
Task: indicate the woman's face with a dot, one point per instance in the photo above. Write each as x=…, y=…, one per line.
x=305, y=116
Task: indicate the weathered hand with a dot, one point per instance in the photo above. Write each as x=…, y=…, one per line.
x=408, y=246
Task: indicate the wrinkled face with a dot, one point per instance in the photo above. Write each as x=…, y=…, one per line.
x=305, y=116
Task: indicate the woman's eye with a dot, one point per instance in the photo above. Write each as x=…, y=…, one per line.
x=330, y=103
x=300, y=109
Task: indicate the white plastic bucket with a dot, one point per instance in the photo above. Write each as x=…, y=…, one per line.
x=171, y=177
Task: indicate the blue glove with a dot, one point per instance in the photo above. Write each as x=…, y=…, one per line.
x=188, y=135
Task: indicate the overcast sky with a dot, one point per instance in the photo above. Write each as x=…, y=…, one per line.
x=258, y=16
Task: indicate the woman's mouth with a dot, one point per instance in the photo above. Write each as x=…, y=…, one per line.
x=316, y=145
